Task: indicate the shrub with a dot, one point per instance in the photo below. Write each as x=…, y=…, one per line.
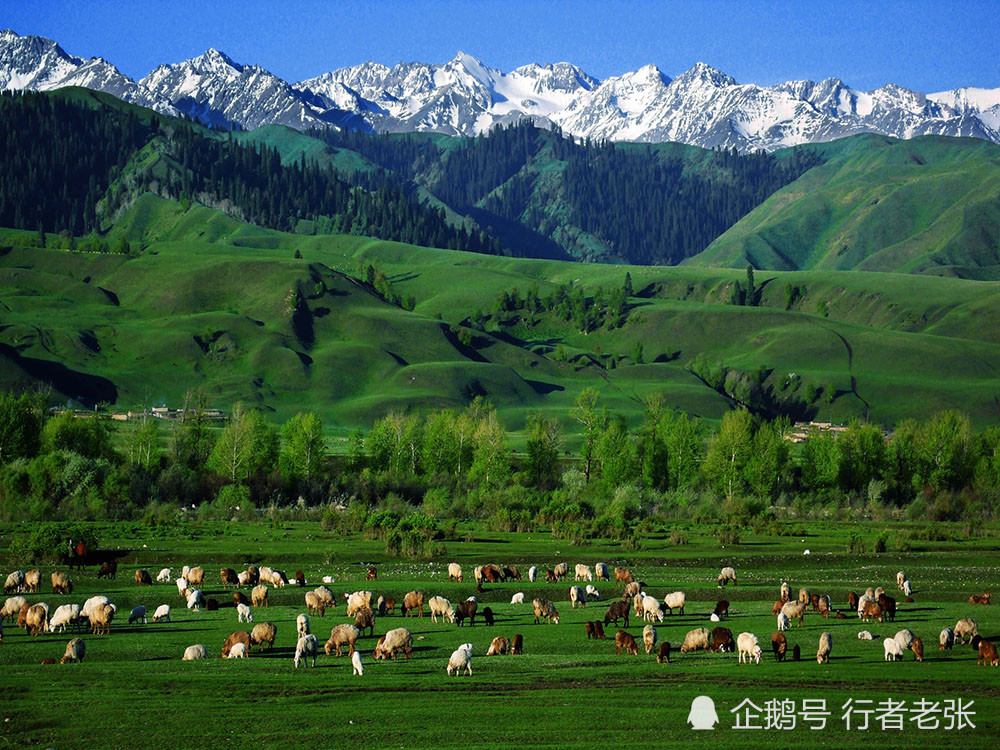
x=677, y=537
x=49, y=543
x=880, y=543
x=856, y=546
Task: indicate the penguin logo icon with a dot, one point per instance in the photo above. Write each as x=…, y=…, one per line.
x=702, y=714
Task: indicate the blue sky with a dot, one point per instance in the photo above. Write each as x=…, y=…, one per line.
x=927, y=46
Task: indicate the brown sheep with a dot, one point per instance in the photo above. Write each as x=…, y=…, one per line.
x=598, y=630
x=517, y=646
x=488, y=616
x=815, y=602
x=32, y=581
x=390, y=604
x=779, y=645
x=625, y=641
x=888, y=606
x=100, y=619
x=259, y=596
x=722, y=640
x=196, y=578
x=372, y=574
x=872, y=611
x=987, y=654
x=804, y=597
x=238, y=636
x=49, y=660
x=632, y=590
x=37, y=619
x=823, y=605
x=414, y=600
x=499, y=646
x=778, y=604
x=341, y=635
x=263, y=632
x=917, y=647
x=980, y=598
x=721, y=609
x=796, y=653
x=544, y=609
x=229, y=577
x=143, y=578
x=365, y=618
x=663, y=655
x=491, y=573
x=466, y=609
x=109, y=569
x=841, y=615
x=550, y=576
x=616, y=610
x=300, y=578
x=240, y=598
x=61, y=583
x=589, y=626
x=253, y=575
x=22, y=615
x=314, y=604
x=212, y=604
x=511, y=573
x=852, y=601
x=623, y=575
x=76, y=649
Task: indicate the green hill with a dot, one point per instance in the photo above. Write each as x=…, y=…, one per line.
x=930, y=205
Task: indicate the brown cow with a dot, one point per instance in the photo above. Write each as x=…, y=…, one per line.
x=625, y=641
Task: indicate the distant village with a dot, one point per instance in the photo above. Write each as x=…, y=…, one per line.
x=156, y=412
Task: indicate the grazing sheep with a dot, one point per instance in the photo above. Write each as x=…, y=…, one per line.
x=616, y=610
x=748, y=647
x=243, y=613
x=663, y=655
x=490, y=574
x=577, y=596
x=796, y=652
x=583, y=572
x=632, y=588
x=414, y=600
x=779, y=645
x=163, y=576
x=726, y=575
x=651, y=609
x=871, y=611
x=195, y=577
x=778, y=604
x=675, y=600
x=108, y=569
x=243, y=578
x=722, y=640
x=194, y=653
x=477, y=574
x=100, y=619
x=825, y=646
x=589, y=627
x=454, y=572
x=238, y=651
x=330, y=601
x=804, y=597
x=61, y=583
x=365, y=618
x=592, y=593
x=300, y=578
x=460, y=659
x=306, y=647
x=714, y=618
x=782, y=622
x=637, y=604
x=864, y=635
x=341, y=635
x=258, y=596
x=721, y=608
x=143, y=578
x=904, y=638
x=315, y=605
x=194, y=599
x=786, y=591
x=625, y=641
x=499, y=646
x=138, y=613
x=878, y=592
x=561, y=570
x=908, y=589
x=11, y=607
x=649, y=637
x=37, y=620
x=395, y=641
x=92, y=604
x=946, y=640
x=823, y=605
x=240, y=598
x=356, y=662
x=852, y=600
x=438, y=605
x=22, y=616
x=695, y=639
x=966, y=627
x=545, y=609
x=510, y=573
x=182, y=586
x=900, y=577
x=263, y=632
x=601, y=572
x=488, y=616
x=794, y=611
x=32, y=581
x=623, y=575
x=162, y=613
x=76, y=649
x=517, y=645
x=598, y=630
x=893, y=651
x=840, y=615
x=65, y=614
x=533, y=573
x=229, y=577
x=15, y=582
x=518, y=598
x=917, y=647
x=974, y=599
x=372, y=574
x=988, y=654
x=466, y=610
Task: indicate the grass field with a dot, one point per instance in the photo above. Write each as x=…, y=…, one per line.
x=564, y=690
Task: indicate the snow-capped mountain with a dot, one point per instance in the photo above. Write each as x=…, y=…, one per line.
x=33, y=62
x=702, y=106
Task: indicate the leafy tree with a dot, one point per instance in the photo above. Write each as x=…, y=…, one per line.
x=615, y=453
x=491, y=458
x=751, y=298
x=729, y=452
x=142, y=444
x=946, y=450
x=627, y=288
x=88, y=436
x=593, y=420
x=767, y=465
x=246, y=446
x=862, y=456
x=820, y=461
x=302, y=447
x=20, y=426
x=543, y=445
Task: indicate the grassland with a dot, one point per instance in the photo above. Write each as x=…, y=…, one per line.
x=564, y=690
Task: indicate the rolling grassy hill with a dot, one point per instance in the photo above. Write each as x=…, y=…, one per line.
x=223, y=305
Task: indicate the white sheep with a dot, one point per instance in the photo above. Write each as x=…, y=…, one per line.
x=577, y=596
x=674, y=601
x=306, y=647
x=649, y=637
x=243, y=578
x=163, y=576
x=583, y=572
x=533, y=573
x=864, y=599
x=651, y=609
x=194, y=599
x=65, y=614
x=904, y=638
x=238, y=651
x=439, y=606
x=356, y=661
x=182, y=585
x=76, y=649
x=879, y=592
x=454, y=572
x=138, y=613
x=825, y=647
x=864, y=635
x=328, y=579
x=15, y=582
x=162, y=613
x=782, y=621
x=900, y=577
x=786, y=591
x=460, y=659
x=893, y=651
x=93, y=604
x=12, y=607
x=518, y=598
x=748, y=647
x=714, y=618
x=726, y=575
x=946, y=640
x=907, y=589
x=602, y=572
x=184, y=572
x=593, y=593
x=966, y=627
x=302, y=625
x=193, y=653
x=243, y=613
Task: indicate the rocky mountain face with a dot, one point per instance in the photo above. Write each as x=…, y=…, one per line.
x=463, y=97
